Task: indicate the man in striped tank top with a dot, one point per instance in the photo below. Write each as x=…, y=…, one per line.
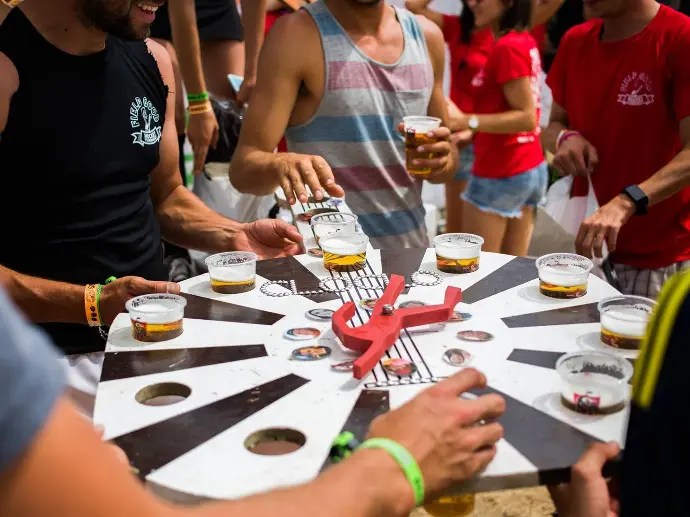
x=337, y=78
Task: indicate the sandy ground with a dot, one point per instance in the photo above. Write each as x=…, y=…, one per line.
x=531, y=502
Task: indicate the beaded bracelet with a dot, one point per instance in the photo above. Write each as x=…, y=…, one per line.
x=198, y=97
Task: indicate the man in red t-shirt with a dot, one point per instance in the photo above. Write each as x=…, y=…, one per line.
x=621, y=112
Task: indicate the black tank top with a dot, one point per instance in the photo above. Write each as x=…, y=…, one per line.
x=81, y=140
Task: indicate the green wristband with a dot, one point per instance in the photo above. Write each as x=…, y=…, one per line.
x=98, y=304
x=407, y=463
x=198, y=97
x=110, y=279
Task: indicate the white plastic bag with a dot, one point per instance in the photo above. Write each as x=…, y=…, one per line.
x=570, y=212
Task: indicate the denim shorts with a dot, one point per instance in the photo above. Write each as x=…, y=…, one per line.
x=507, y=196
x=465, y=164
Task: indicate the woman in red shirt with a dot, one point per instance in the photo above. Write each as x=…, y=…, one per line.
x=510, y=175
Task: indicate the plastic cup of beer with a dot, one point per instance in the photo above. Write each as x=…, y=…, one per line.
x=232, y=272
x=324, y=224
x=344, y=251
x=156, y=317
x=593, y=382
x=458, y=252
x=451, y=506
x=563, y=275
x=416, y=129
x=624, y=320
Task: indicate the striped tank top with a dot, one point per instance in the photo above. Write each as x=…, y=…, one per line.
x=355, y=128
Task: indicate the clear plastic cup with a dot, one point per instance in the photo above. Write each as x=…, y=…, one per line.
x=156, y=317
x=624, y=320
x=594, y=382
x=416, y=129
x=323, y=224
x=232, y=272
x=563, y=275
x=344, y=251
x=458, y=252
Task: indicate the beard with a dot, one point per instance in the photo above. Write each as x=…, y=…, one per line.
x=110, y=16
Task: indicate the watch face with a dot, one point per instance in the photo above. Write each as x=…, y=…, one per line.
x=473, y=123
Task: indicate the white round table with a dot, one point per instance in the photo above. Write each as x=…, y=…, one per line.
x=235, y=361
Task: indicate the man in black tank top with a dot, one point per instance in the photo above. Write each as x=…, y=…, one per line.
x=88, y=148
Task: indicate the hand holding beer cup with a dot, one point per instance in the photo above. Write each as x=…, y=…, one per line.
x=427, y=147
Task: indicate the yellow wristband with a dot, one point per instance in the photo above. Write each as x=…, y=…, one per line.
x=91, y=305
x=198, y=109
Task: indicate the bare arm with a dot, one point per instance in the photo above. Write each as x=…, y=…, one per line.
x=4, y=11
x=108, y=489
x=438, y=106
x=673, y=177
x=186, y=38
x=544, y=11
x=522, y=116
x=185, y=220
x=421, y=7
x=253, y=22
x=557, y=123
x=255, y=168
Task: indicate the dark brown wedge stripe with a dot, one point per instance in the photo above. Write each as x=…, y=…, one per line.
x=122, y=365
x=201, y=308
x=156, y=445
x=587, y=313
x=516, y=272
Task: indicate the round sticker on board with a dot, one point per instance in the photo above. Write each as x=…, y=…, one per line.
x=411, y=303
x=345, y=366
x=459, y=316
x=315, y=252
x=334, y=202
x=311, y=353
x=474, y=335
x=457, y=357
x=304, y=217
x=302, y=333
x=368, y=303
x=320, y=314
x=399, y=366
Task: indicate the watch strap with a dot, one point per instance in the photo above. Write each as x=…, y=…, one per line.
x=637, y=195
x=343, y=446
x=406, y=461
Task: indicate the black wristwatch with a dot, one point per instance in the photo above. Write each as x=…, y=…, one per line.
x=638, y=197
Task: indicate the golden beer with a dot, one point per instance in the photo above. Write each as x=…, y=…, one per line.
x=457, y=266
x=416, y=129
x=412, y=142
x=458, y=253
x=624, y=320
x=233, y=272
x=225, y=287
x=451, y=506
x=344, y=251
x=562, y=291
x=155, y=332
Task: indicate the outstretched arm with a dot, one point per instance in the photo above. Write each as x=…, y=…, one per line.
x=421, y=7
x=253, y=23
x=184, y=219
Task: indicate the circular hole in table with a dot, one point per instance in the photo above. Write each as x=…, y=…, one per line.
x=163, y=394
x=275, y=441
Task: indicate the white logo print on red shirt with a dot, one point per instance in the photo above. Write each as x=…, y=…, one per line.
x=636, y=90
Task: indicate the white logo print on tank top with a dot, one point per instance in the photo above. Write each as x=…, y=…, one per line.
x=144, y=112
x=636, y=90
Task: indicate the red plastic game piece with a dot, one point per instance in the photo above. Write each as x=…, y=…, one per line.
x=383, y=328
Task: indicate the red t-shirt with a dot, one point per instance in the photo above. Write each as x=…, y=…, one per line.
x=466, y=59
x=627, y=99
x=515, y=55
